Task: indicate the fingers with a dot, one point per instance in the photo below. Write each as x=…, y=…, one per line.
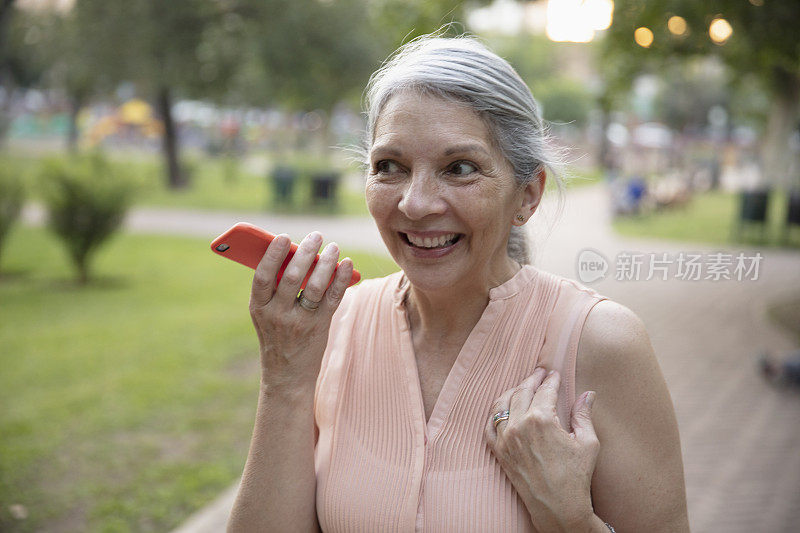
x=582, y=426
x=264, y=279
x=341, y=280
x=326, y=282
x=322, y=273
x=543, y=405
x=500, y=404
x=523, y=394
x=535, y=397
x=297, y=269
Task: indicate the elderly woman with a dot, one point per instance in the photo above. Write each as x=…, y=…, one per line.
x=471, y=391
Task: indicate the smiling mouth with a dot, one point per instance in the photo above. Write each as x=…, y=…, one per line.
x=428, y=243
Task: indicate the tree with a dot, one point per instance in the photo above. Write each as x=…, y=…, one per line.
x=86, y=200
x=12, y=196
x=398, y=21
x=312, y=54
x=690, y=89
x=180, y=47
x=46, y=48
x=301, y=53
x=763, y=46
x=64, y=57
x=19, y=66
x=539, y=63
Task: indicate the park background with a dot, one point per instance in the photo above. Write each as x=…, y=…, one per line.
x=134, y=131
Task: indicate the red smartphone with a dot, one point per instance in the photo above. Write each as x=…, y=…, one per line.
x=246, y=244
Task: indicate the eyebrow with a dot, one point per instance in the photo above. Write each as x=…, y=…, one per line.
x=387, y=150
x=457, y=149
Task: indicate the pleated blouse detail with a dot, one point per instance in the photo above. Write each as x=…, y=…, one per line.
x=380, y=466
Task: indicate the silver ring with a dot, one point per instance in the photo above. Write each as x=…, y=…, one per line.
x=305, y=303
x=499, y=417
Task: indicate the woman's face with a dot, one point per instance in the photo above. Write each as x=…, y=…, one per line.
x=442, y=194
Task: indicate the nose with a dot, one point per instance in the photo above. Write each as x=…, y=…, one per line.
x=422, y=197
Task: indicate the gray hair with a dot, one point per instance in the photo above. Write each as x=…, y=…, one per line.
x=464, y=70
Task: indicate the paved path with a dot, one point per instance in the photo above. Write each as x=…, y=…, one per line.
x=739, y=436
x=348, y=232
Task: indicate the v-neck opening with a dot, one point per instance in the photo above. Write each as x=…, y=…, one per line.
x=466, y=356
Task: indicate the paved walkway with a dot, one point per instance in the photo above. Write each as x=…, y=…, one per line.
x=739, y=436
x=349, y=232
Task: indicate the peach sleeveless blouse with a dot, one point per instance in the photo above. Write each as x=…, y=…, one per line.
x=379, y=465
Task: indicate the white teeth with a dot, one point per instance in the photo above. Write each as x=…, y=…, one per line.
x=427, y=242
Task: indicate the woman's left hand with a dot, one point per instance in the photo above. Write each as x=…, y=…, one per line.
x=550, y=468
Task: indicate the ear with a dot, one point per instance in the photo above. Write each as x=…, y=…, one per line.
x=531, y=196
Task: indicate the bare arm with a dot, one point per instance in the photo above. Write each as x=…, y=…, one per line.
x=278, y=489
x=638, y=480
x=278, y=486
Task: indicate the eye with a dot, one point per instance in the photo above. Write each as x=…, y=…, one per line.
x=462, y=168
x=385, y=166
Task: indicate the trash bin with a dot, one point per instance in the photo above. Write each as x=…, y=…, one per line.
x=283, y=180
x=324, y=187
x=792, y=213
x=753, y=210
x=754, y=206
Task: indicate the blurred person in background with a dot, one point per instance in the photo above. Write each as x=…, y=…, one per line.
x=781, y=371
x=470, y=391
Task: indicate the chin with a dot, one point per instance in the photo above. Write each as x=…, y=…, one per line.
x=435, y=278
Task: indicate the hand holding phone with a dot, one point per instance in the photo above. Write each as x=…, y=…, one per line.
x=246, y=244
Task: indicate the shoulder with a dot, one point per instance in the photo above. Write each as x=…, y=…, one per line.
x=613, y=340
x=616, y=360
x=638, y=479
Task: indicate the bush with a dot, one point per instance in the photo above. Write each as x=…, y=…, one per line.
x=86, y=200
x=564, y=100
x=12, y=196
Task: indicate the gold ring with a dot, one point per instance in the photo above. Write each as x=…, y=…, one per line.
x=307, y=304
x=499, y=417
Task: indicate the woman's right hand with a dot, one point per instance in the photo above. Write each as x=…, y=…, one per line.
x=293, y=338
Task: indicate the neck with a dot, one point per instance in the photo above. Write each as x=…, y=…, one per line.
x=453, y=311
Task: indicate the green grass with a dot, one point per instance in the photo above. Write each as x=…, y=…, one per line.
x=583, y=177
x=710, y=218
x=222, y=184
x=126, y=404
x=216, y=183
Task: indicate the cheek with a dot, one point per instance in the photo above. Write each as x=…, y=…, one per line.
x=487, y=207
x=379, y=197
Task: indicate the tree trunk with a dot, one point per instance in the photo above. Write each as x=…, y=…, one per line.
x=8, y=85
x=6, y=77
x=176, y=179
x=776, y=154
x=5, y=8
x=5, y=116
x=604, y=155
x=75, y=104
